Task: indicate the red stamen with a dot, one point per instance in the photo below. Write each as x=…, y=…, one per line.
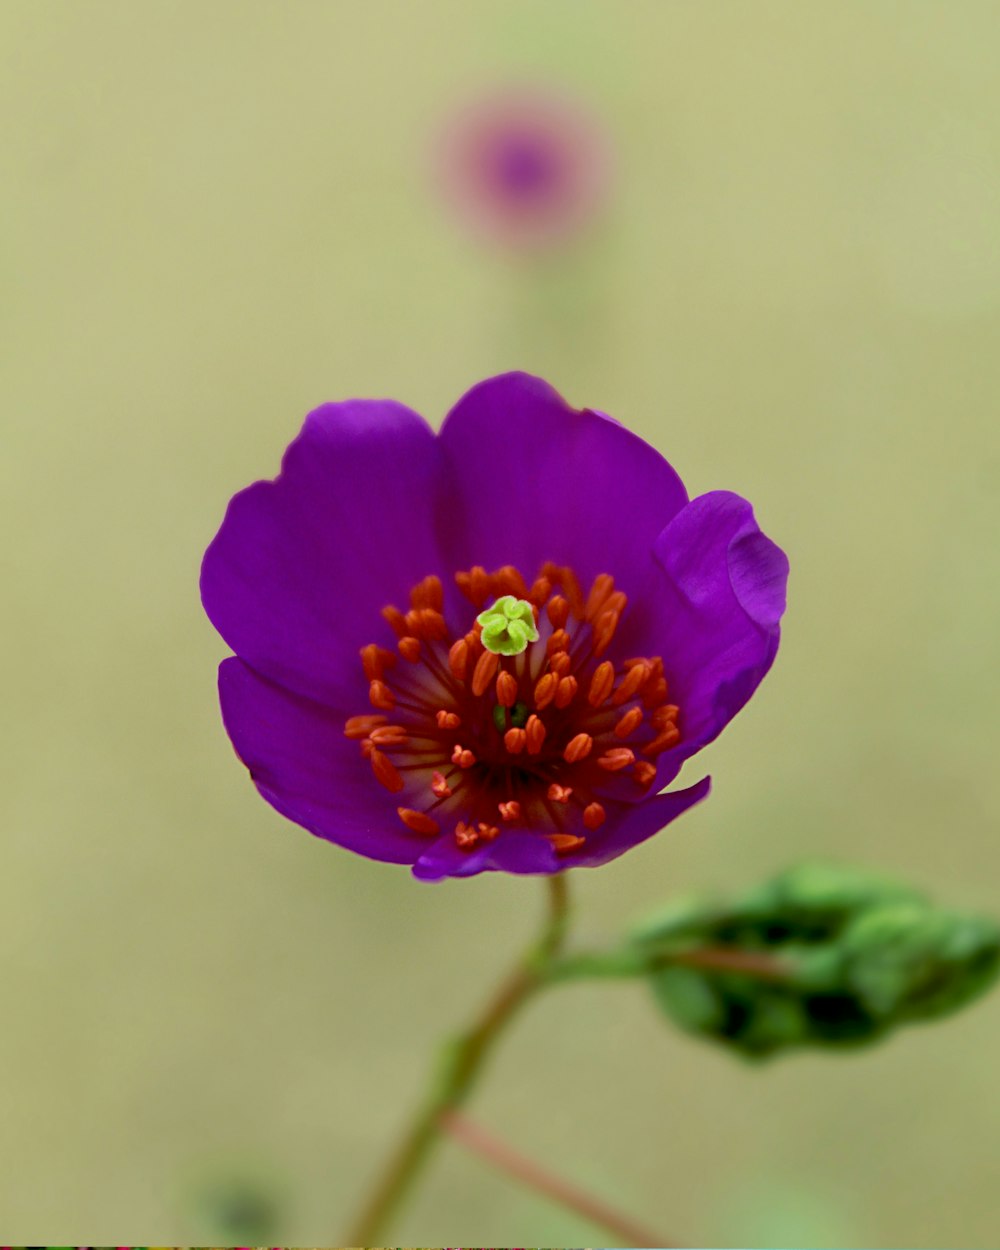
x=419, y=822
x=462, y=757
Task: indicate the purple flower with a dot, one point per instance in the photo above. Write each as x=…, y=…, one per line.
x=525, y=168
x=373, y=709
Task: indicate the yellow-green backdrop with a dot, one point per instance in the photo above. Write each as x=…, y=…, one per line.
x=218, y=214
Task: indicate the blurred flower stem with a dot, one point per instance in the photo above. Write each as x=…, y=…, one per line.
x=462, y=1061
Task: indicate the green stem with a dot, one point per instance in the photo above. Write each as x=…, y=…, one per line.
x=463, y=1059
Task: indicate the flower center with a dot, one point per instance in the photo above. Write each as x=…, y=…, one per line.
x=519, y=722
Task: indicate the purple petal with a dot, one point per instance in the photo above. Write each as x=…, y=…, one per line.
x=534, y=480
x=523, y=853
x=636, y=824
x=303, y=765
x=295, y=578
x=714, y=614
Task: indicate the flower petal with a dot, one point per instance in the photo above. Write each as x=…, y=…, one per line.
x=303, y=765
x=714, y=613
x=533, y=480
x=513, y=851
x=636, y=824
x=296, y=576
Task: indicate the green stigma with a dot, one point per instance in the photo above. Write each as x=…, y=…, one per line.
x=508, y=626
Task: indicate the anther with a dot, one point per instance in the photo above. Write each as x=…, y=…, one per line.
x=565, y=842
x=508, y=581
x=594, y=815
x=432, y=624
x=540, y=590
x=428, y=594
x=458, y=659
x=439, y=786
x=419, y=822
x=603, y=585
x=559, y=794
x=631, y=682
x=447, y=720
x=655, y=693
x=601, y=683
x=379, y=695
x=643, y=773
x=390, y=736
x=566, y=691
x=463, y=757
x=666, y=714
x=629, y=722
x=560, y=663
x=475, y=585
x=557, y=611
x=578, y=748
x=361, y=726
x=506, y=689
x=535, y=733
x=511, y=810
x=465, y=836
x=409, y=648
x=375, y=660
x=558, y=642
x=487, y=832
x=616, y=759
x=385, y=771
x=665, y=740
x=545, y=690
x=396, y=619
x=515, y=741
x=604, y=631
x=482, y=675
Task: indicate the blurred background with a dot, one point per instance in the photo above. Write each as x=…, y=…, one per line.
x=787, y=278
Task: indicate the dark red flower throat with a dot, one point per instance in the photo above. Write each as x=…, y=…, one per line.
x=532, y=741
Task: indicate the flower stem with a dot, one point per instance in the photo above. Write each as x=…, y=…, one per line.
x=462, y=1061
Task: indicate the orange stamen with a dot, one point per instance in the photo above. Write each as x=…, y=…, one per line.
x=465, y=836
x=458, y=659
x=655, y=693
x=629, y=722
x=557, y=611
x=419, y=822
x=603, y=585
x=663, y=742
x=594, y=815
x=515, y=741
x=396, y=619
x=535, y=733
x=565, y=842
x=440, y=787
x=616, y=759
x=601, y=683
x=665, y=715
x=511, y=810
x=390, y=736
x=385, y=771
x=578, y=748
x=409, y=648
x=379, y=695
x=631, y=682
x=375, y=660
x=644, y=773
x=558, y=793
x=482, y=675
x=508, y=581
x=361, y=726
x=447, y=720
x=540, y=590
x=558, y=642
x=506, y=689
x=566, y=691
x=487, y=832
x=560, y=664
x=545, y=690
x=604, y=631
x=428, y=594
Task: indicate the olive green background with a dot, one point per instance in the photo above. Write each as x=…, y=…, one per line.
x=219, y=214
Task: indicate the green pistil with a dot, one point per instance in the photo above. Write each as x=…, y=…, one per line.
x=508, y=626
